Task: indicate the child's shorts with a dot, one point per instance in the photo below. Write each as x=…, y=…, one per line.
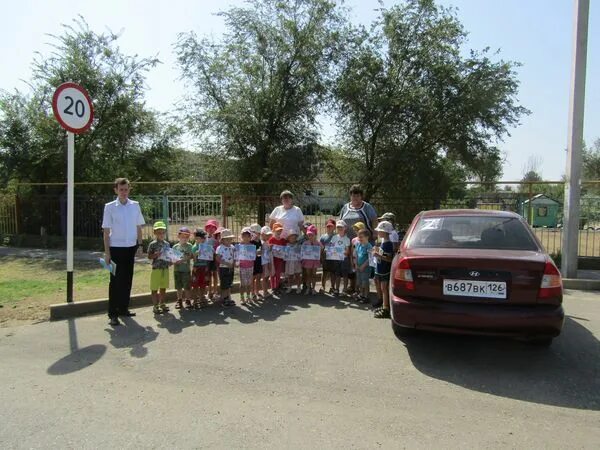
x=159, y=279
x=199, y=277
x=329, y=265
x=226, y=277
x=258, y=268
x=246, y=275
x=362, y=278
x=310, y=263
x=383, y=278
x=342, y=268
x=182, y=279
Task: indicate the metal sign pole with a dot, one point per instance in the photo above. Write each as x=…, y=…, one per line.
x=70, y=211
x=572, y=205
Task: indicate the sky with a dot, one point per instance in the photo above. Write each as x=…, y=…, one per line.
x=536, y=33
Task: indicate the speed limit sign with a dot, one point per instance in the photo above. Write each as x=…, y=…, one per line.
x=72, y=107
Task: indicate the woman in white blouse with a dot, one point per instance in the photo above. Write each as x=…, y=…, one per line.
x=287, y=214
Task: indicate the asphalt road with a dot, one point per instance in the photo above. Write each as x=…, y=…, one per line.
x=295, y=374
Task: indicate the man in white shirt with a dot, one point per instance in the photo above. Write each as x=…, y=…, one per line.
x=122, y=224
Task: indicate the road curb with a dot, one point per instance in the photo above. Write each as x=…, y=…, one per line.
x=60, y=311
x=581, y=284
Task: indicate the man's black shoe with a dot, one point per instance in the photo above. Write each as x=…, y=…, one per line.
x=114, y=321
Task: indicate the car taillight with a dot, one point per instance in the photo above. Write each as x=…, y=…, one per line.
x=551, y=285
x=403, y=275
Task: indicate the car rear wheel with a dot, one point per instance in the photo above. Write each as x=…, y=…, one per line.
x=402, y=331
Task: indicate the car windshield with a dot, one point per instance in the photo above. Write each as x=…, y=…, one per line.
x=478, y=232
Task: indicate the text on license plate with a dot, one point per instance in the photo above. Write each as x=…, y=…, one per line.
x=473, y=288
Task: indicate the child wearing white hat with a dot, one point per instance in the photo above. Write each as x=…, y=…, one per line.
x=225, y=257
x=384, y=255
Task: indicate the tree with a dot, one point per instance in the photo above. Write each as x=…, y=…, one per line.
x=126, y=138
x=531, y=174
x=418, y=114
x=255, y=93
x=591, y=161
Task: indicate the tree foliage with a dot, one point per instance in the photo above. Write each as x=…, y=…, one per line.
x=418, y=113
x=255, y=93
x=126, y=138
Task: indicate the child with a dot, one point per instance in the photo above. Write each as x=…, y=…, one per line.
x=342, y=268
x=181, y=269
x=384, y=254
x=212, y=238
x=159, y=279
x=246, y=268
x=225, y=257
x=293, y=267
x=309, y=266
x=258, y=268
x=278, y=263
x=362, y=254
x=328, y=265
x=357, y=227
x=266, y=259
x=200, y=271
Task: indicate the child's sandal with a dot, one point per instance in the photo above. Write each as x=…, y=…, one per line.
x=382, y=313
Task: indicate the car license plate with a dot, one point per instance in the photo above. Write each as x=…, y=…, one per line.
x=475, y=288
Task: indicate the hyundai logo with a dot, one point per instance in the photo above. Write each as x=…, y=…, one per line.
x=474, y=273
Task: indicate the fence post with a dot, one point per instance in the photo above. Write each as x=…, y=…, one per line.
x=165, y=214
x=224, y=210
x=17, y=214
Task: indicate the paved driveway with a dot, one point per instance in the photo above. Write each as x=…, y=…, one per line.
x=297, y=374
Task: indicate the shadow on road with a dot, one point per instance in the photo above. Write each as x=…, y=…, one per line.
x=132, y=335
x=78, y=358
x=566, y=374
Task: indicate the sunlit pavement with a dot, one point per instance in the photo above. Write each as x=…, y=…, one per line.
x=297, y=372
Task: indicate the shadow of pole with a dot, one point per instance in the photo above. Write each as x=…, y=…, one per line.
x=79, y=358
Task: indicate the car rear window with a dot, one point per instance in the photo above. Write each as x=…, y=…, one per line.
x=479, y=232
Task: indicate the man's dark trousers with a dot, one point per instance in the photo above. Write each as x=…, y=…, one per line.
x=119, y=288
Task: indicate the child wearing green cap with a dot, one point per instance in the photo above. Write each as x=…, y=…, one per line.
x=181, y=269
x=159, y=279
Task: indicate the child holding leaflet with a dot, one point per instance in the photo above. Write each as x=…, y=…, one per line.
x=362, y=253
x=309, y=266
x=246, y=268
x=200, y=271
x=181, y=269
x=212, y=238
x=266, y=259
x=328, y=265
x=258, y=269
x=225, y=257
x=384, y=255
x=342, y=267
x=278, y=263
x=159, y=279
x=293, y=267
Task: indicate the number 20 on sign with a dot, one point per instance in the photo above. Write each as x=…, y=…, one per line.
x=74, y=111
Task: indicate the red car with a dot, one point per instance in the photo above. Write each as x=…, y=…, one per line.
x=475, y=272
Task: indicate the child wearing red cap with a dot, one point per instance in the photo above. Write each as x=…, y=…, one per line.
x=212, y=238
x=309, y=266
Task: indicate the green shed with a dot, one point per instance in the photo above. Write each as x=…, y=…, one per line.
x=543, y=213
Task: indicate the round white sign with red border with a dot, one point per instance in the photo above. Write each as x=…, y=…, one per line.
x=73, y=107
